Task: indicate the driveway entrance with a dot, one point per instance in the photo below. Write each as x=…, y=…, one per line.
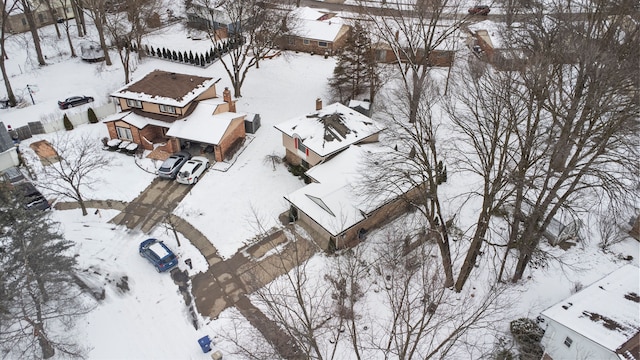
x=152, y=206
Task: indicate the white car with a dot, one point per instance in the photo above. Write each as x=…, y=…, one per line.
x=192, y=170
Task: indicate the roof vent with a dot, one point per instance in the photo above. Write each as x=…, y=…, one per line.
x=173, y=76
x=567, y=305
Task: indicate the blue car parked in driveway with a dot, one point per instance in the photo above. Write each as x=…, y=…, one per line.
x=158, y=254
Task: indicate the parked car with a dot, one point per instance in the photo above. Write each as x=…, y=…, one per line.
x=192, y=170
x=170, y=167
x=74, y=101
x=158, y=254
x=479, y=10
x=33, y=199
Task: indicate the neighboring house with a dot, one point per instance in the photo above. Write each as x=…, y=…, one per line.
x=315, y=137
x=316, y=32
x=211, y=18
x=490, y=43
x=440, y=56
x=17, y=21
x=335, y=206
x=8, y=150
x=172, y=112
x=599, y=322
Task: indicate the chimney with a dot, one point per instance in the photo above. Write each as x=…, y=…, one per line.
x=318, y=104
x=226, y=96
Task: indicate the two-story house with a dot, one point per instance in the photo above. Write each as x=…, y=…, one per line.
x=600, y=321
x=171, y=112
x=313, y=138
x=43, y=14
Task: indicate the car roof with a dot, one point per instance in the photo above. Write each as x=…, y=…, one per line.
x=159, y=249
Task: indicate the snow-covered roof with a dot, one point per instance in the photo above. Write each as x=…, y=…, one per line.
x=605, y=312
x=313, y=25
x=202, y=126
x=167, y=88
x=337, y=202
x=136, y=120
x=330, y=129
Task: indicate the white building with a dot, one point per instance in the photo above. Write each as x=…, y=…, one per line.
x=601, y=321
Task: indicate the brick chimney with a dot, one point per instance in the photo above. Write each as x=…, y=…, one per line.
x=226, y=96
x=318, y=104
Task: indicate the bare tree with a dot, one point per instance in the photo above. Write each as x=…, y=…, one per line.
x=73, y=170
x=415, y=161
x=97, y=11
x=485, y=111
x=65, y=25
x=254, y=28
x=37, y=288
x=7, y=8
x=25, y=6
x=587, y=107
x=128, y=27
x=413, y=31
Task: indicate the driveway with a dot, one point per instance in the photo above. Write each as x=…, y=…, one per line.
x=152, y=206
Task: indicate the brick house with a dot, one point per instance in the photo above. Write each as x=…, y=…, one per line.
x=598, y=322
x=316, y=32
x=314, y=138
x=333, y=206
x=171, y=112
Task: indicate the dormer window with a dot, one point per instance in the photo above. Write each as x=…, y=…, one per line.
x=134, y=103
x=167, y=109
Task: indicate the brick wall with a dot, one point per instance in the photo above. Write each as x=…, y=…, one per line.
x=230, y=138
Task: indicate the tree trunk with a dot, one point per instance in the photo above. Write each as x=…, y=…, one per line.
x=103, y=42
x=34, y=31
x=474, y=249
x=73, y=51
x=78, y=16
x=7, y=85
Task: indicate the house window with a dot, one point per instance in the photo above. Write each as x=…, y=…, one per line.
x=124, y=133
x=322, y=43
x=291, y=41
x=568, y=341
x=300, y=146
x=167, y=109
x=41, y=18
x=306, y=41
x=134, y=103
x=24, y=21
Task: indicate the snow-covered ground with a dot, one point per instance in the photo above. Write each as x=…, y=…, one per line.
x=150, y=320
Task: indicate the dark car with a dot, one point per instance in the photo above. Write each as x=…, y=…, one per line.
x=170, y=167
x=33, y=199
x=158, y=254
x=74, y=101
x=479, y=10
